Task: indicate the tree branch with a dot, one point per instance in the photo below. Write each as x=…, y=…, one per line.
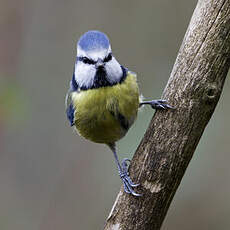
x=194, y=88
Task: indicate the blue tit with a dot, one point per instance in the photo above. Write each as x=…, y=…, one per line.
x=103, y=98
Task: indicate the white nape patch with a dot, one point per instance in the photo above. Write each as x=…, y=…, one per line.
x=93, y=54
x=84, y=74
x=113, y=70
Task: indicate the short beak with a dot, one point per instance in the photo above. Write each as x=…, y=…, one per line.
x=99, y=63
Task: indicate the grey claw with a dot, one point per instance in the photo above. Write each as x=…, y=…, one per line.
x=160, y=104
x=125, y=165
x=162, y=101
x=170, y=107
x=136, y=194
x=128, y=189
x=128, y=179
x=128, y=184
x=124, y=161
x=157, y=104
x=131, y=183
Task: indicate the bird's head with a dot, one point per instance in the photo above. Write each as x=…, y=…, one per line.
x=95, y=64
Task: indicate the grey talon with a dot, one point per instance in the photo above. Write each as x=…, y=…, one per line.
x=124, y=174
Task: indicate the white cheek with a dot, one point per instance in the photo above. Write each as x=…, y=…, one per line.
x=84, y=74
x=113, y=70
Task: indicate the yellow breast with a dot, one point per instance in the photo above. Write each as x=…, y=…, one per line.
x=104, y=115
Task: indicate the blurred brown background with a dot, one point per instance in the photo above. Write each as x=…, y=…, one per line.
x=51, y=179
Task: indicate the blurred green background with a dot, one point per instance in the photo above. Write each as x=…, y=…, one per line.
x=51, y=178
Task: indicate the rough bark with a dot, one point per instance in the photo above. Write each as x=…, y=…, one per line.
x=194, y=88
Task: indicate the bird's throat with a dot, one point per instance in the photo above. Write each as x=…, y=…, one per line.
x=100, y=79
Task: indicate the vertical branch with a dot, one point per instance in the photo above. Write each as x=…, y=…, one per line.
x=194, y=88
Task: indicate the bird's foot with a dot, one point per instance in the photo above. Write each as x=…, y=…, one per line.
x=157, y=104
x=124, y=175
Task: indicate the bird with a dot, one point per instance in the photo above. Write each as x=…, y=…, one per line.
x=103, y=98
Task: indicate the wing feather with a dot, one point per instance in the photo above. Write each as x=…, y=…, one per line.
x=69, y=106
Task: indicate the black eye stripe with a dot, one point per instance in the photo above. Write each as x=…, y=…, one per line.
x=86, y=60
x=108, y=58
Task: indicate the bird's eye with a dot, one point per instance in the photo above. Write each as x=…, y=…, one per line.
x=87, y=60
x=108, y=58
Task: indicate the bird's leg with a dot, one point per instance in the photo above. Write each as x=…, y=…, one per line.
x=157, y=104
x=123, y=173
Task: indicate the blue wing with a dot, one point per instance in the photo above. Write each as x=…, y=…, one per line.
x=69, y=104
x=70, y=114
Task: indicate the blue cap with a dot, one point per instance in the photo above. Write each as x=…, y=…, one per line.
x=93, y=40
